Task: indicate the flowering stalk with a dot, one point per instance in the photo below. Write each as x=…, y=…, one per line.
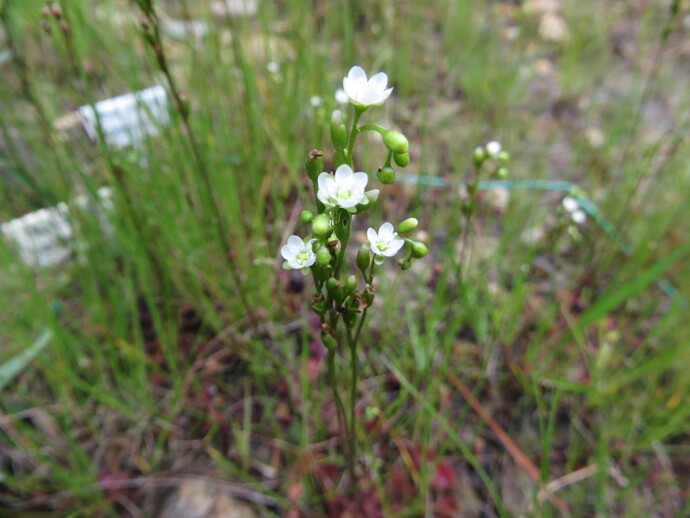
x=338, y=197
x=491, y=158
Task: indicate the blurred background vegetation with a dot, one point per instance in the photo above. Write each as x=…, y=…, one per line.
x=540, y=371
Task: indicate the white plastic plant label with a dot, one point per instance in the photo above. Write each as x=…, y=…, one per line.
x=126, y=120
x=44, y=238
x=41, y=238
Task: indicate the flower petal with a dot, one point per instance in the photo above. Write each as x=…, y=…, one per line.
x=379, y=81
x=357, y=73
x=295, y=242
x=343, y=175
x=359, y=181
x=324, y=181
x=372, y=236
x=386, y=231
x=394, y=247
x=385, y=95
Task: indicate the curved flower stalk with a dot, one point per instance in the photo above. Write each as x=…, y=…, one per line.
x=341, y=300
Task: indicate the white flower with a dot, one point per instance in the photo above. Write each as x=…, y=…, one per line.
x=579, y=216
x=363, y=92
x=298, y=255
x=385, y=242
x=315, y=101
x=341, y=97
x=493, y=149
x=345, y=189
x=570, y=204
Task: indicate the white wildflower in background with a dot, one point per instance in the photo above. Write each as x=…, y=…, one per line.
x=579, y=216
x=341, y=97
x=298, y=254
x=493, y=149
x=345, y=189
x=572, y=207
x=570, y=204
x=316, y=101
x=385, y=242
x=363, y=92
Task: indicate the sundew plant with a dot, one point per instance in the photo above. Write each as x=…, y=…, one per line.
x=341, y=295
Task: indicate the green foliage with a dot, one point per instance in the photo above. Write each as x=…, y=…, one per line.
x=178, y=343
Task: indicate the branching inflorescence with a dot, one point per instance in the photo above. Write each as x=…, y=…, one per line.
x=338, y=197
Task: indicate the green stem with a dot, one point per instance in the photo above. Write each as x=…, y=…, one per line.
x=352, y=449
x=353, y=135
x=344, y=237
x=372, y=127
x=340, y=408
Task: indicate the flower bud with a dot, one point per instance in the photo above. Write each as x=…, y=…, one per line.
x=337, y=118
x=339, y=135
x=350, y=285
x=419, y=250
x=404, y=264
x=306, y=216
x=368, y=297
x=313, y=164
x=503, y=156
x=323, y=256
x=479, y=155
x=321, y=225
x=401, y=159
x=407, y=226
x=319, y=306
x=386, y=175
x=363, y=259
x=331, y=285
x=395, y=141
x=502, y=172
x=329, y=341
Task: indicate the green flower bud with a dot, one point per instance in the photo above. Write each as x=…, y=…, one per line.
x=368, y=297
x=404, y=264
x=350, y=285
x=306, y=216
x=401, y=159
x=502, y=172
x=319, y=307
x=321, y=225
x=395, y=141
x=323, y=256
x=313, y=164
x=503, y=156
x=331, y=285
x=339, y=158
x=386, y=175
x=350, y=318
x=329, y=341
x=407, y=226
x=339, y=294
x=419, y=250
x=479, y=155
x=339, y=134
x=337, y=118
x=364, y=259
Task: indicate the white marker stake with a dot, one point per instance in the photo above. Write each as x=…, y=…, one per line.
x=127, y=120
x=44, y=237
